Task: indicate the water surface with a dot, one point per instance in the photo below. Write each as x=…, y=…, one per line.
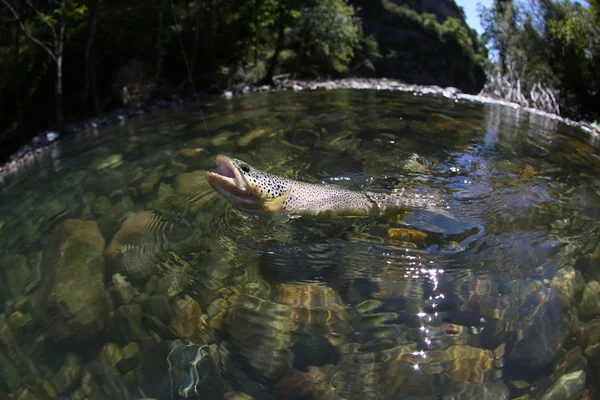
x=125, y=276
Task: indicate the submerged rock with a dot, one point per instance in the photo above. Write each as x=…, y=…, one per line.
x=151, y=180
x=179, y=369
x=567, y=387
x=564, y=283
x=127, y=323
x=134, y=249
x=590, y=303
x=68, y=374
x=72, y=301
x=261, y=331
x=16, y=276
x=124, y=291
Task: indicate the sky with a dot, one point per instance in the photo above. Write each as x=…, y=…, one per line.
x=470, y=7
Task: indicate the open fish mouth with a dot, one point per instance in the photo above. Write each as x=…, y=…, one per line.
x=228, y=178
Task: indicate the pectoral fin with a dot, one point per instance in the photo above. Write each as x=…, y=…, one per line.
x=277, y=203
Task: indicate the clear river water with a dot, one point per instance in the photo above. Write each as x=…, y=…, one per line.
x=123, y=275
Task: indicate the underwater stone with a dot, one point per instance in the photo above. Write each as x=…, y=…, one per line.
x=179, y=369
x=415, y=164
x=151, y=180
x=9, y=373
x=189, y=182
x=106, y=383
x=261, y=331
x=172, y=284
x=128, y=322
x=252, y=135
x=237, y=396
x=111, y=355
x=217, y=311
x=223, y=141
x=68, y=374
x=590, y=303
x=101, y=205
x=85, y=389
x=163, y=195
x=17, y=320
x=589, y=338
x=16, y=275
x=198, y=142
x=125, y=253
x=567, y=387
x=152, y=284
x=112, y=161
x=194, y=157
x=189, y=321
x=157, y=306
x=130, y=357
x=124, y=290
x=564, y=282
x=48, y=389
x=73, y=302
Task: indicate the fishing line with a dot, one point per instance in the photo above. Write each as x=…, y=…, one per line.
x=187, y=65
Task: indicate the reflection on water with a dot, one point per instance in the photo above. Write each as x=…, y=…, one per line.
x=125, y=277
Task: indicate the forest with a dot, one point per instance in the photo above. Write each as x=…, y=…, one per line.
x=64, y=60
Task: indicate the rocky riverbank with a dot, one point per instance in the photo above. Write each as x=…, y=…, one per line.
x=44, y=142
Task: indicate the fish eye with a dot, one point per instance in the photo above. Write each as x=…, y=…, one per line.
x=245, y=167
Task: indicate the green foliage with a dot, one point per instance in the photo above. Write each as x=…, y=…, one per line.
x=110, y=44
x=555, y=43
x=324, y=36
x=450, y=31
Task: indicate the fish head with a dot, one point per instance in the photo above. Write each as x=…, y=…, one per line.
x=247, y=187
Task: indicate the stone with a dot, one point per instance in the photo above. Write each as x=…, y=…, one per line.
x=157, y=306
x=152, y=284
x=179, y=369
x=111, y=355
x=590, y=302
x=127, y=322
x=194, y=158
x=9, y=374
x=198, y=142
x=68, y=374
x=126, y=251
x=237, y=396
x=85, y=389
x=125, y=292
x=151, y=180
x=567, y=387
x=72, y=301
x=16, y=275
x=17, y=320
x=253, y=135
x=48, y=389
x=189, y=182
x=406, y=234
x=112, y=161
x=224, y=141
x=564, y=283
x=172, y=284
x=189, y=321
x=101, y=205
x=130, y=357
x=589, y=339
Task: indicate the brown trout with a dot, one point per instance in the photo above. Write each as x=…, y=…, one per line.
x=253, y=190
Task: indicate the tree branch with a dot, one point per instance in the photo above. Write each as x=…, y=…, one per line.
x=36, y=41
x=43, y=19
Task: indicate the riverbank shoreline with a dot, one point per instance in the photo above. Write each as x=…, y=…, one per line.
x=44, y=142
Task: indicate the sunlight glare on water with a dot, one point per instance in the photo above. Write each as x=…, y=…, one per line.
x=124, y=275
